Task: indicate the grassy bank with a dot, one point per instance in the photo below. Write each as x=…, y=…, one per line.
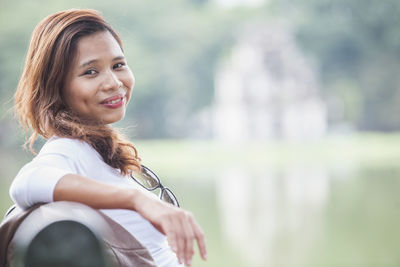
x=362, y=149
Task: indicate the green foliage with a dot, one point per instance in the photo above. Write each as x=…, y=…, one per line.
x=356, y=42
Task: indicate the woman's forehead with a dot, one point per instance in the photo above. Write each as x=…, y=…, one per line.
x=96, y=47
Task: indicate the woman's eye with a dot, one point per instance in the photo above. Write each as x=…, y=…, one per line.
x=90, y=72
x=118, y=65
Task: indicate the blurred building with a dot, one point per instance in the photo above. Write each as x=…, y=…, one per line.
x=267, y=89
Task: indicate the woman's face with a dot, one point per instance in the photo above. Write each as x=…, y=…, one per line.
x=99, y=82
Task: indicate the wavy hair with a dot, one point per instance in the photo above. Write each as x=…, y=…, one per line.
x=39, y=101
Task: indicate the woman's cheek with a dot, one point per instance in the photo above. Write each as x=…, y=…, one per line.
x=131, y=78
x=130, y=86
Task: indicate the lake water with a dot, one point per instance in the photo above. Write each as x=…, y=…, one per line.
x=298, y=216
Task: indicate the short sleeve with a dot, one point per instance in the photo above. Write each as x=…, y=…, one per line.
x=36, y=181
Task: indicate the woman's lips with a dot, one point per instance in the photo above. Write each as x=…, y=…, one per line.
x=114, y=101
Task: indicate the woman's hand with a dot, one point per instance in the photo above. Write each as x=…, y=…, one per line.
x=178, y=225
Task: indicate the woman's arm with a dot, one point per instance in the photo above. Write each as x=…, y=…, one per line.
x=178, y=225
x=36, y=181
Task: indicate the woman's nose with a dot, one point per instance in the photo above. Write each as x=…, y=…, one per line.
x=111, y=81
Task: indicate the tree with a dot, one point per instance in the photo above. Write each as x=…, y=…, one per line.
x=356, y=44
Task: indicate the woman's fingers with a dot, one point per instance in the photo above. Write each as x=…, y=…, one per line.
x=181, y=246
x=181, y=234
x=200, y=238
x=171, y=237
x=190, y=230
x=173, y=229
x=188, y=237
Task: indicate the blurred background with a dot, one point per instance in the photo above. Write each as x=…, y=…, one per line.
x=275, y=121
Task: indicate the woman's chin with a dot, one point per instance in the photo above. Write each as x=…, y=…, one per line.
x=113, y=119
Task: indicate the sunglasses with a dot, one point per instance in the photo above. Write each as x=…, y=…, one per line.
x=150, y=181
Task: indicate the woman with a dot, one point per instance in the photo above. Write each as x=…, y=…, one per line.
x=75, y=83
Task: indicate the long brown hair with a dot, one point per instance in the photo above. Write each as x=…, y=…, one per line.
x=39, y=99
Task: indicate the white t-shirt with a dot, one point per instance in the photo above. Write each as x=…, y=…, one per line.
x=36, y=181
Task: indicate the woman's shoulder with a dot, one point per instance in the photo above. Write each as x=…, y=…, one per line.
x=64, y=146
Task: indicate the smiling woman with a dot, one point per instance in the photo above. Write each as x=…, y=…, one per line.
x=75, y=83
x=99, y=83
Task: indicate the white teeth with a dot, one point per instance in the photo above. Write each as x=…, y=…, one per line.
x=114, y=101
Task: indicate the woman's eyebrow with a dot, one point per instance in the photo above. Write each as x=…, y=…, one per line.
x=95, y=60
x=88, y=63
x=119, y=58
